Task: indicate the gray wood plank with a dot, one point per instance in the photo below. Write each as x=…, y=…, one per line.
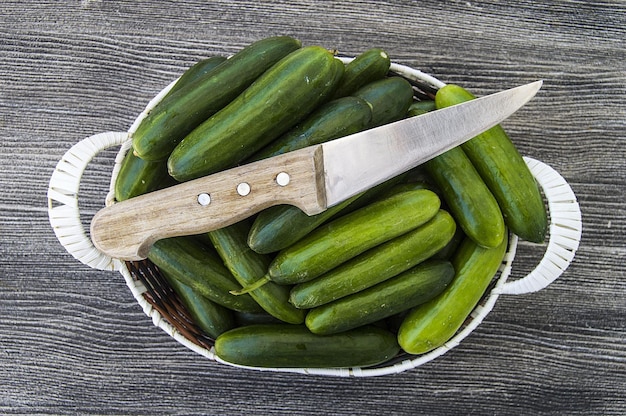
x=74, y=341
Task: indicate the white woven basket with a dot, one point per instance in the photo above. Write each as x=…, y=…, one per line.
x=564, y=237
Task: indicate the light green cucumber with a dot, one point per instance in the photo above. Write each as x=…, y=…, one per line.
x=468, y=199
x=377, y=264
x=350, y=235
x=503, y=169
x=431, y=324
x=413, y=287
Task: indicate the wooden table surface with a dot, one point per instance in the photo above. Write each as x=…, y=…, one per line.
x=74, y=340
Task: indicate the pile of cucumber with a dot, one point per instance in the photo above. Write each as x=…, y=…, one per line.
x=396, y=269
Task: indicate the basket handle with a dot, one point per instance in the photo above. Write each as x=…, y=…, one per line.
x=63, y=208
x=565, y=231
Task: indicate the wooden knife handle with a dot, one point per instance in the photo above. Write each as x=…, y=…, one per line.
x=127, y=230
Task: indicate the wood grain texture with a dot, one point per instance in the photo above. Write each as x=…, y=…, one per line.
x=74, y=341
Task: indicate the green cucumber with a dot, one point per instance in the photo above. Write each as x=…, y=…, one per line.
x=467, y=197
x=294, y=346
x=181, y=112
x=418, y=108
x=197, y=72
x=413, y=287
x=433, y=323
x=244, y=319
x=248, y=266
x=273, y=104
x=199, y=267
x=138, y=176
x=377, y=264
x=503, y=169
x=389, y=98
x=212, y=318
x=337, y=118
x=367, y=67
x=348, y=236
x=281, y=226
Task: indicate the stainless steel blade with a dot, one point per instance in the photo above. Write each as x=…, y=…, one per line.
x=360, y=161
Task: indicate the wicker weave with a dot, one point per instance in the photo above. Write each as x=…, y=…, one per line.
x=159, y=301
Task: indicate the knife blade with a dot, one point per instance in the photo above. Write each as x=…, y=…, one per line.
x=313, y=179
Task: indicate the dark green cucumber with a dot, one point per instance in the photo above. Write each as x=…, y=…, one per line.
x=469, y=200
x=181, y=112
x=294, y=346
x=418, y=108
x=389, y=98
x=348, y=236
x=199, y=267
x=281, y=226
x=212, y=318
x=244, y=319
x=413, y=287
x=377, y=264
x=272, y=105
x=197, y=72
x=367, y=67
x=248, y=266
x=137, y=177
x=503, y=169
x=433, y=323
x=337, y=118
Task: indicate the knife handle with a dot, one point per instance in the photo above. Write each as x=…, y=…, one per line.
x=126, y=230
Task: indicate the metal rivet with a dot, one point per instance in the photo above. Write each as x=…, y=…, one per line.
x=243, y=189
x=204, y=199
x=283, y=179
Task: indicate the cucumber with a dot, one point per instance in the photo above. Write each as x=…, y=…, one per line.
x=294, y=346
x=276, y=228
x=467, y=197
x=273, y=104
x=181, y=112
x=503, y=169
x=197, y=72
x=413, y=287
x=367, y=67
x=137, y=177
x=377, y=264
x=346, y=237
x=248, y=266
x=244, y=319
x=199, y=267
x=418, y=108
x=212, y=318
x=337, y=118
x=281, y=226
x=433, y=323
x=389, y=99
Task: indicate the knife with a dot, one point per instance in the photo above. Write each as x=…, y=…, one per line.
x=313, y=178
